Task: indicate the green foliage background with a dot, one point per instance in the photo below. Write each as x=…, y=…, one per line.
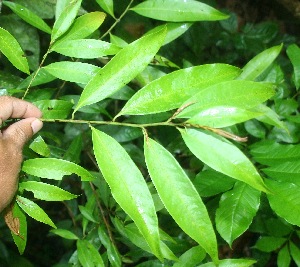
x=171, y=135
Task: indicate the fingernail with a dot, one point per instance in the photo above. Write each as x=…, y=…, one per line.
x=36, y=125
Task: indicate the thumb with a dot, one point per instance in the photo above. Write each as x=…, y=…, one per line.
x=20, y=132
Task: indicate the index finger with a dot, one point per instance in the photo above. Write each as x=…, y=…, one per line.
x=11, y=107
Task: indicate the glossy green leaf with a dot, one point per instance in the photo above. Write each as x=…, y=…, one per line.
x=260, y=63
x=132, y=233
x=73, y=152
x=54, y=109
x=77, y=72
x=236, y=211
x=87, y=214
x=222, y=116
x=41, y=78
x=183, y=196
x=222, y=156
x=209, y=183
x=284, y=258
x=269, y=243
x=286, y=171
x=107, y=6
x=39, y=146
x=128, y=187
x=88, y=255
x=237, y=93
x=64, y=234
x=45, y=191
x=85, y=48
x=21, y=239
x=285, y=200
x=82, y=27
x=130, y=61
x=29, y=16
x=10, y=47
x=178, y=10
x=174, y=30
x=60, y=6
x=65, y=19
x=191, y=258
x=271, y=153
x=34, y=211
x=293, y=52
x=54, y=169
x=172, y=90
x=230, y=263
x=295, y=253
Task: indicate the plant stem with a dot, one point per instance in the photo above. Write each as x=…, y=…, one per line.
x=117, y=20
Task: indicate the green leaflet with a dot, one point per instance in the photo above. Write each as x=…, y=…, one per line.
x=236, y=93
x=230, y=263
x=286, y=171
x=54, y=169
x=107, y=6
x=284, y=258
x=29, y=16
x=182, y=202
x=174, y=30
x=45, y=191
x=222, y=156
x=191, y=257
x=172, y=90
x=295, y=253
x=65, y=19
x=260, y=63
x=34, y=211
x=293, y=52
x=222, y=116
x=54, y=109
x=128, y=187
x=88, y=255
x=129, y=62
x=85, y=48
x=178, y=10
x=41, y=78
x=65, y=234
x=82, y=27
x=77, y=72
x=236, y=211
x=285, y=200
x=10, y=47
x=269, y=243
x=38, y=145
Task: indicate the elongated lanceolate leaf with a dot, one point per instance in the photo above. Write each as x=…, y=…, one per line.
x=107, y=5
x=286, y=171
x=222, y=116
x=180, y=196
x=82, y=27
x=54, y=169
x=85, y=48
x=285, y=200
x=78, y=72
x=222, y=156
x=45, y=191
x=293, y=52
x=12, y=50
x=88, y=255
x=128, y=187
x=34, y=211
x=65, y=19
x=130, y=61
x=172, y=90
x=236, y=211
x=54, y=109
x=260, y=63
x=178, y=10
x=29, y=16
x=236, y=93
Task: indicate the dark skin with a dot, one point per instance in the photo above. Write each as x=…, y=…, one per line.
x=12, y=140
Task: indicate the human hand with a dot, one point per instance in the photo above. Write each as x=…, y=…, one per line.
x=12, y=140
